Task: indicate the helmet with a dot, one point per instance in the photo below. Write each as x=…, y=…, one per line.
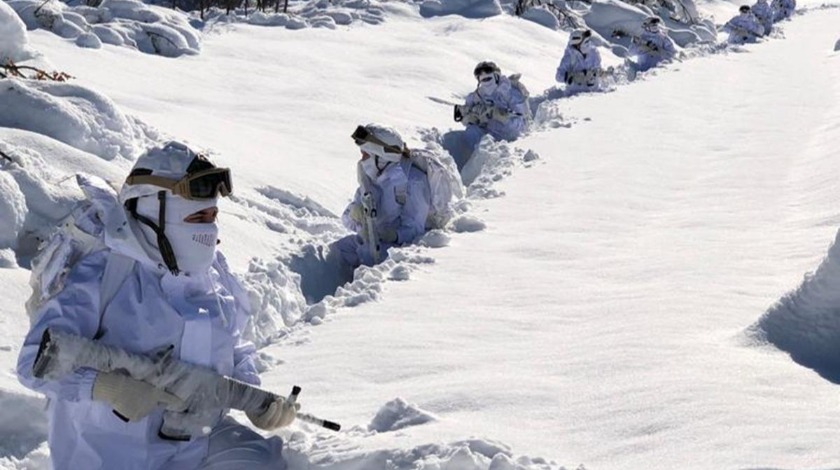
x=380, y=141
x=578, y=36
x=170, y=171
x=744, y=9
x=651, y=24
x=485, y=67
x=178, y=169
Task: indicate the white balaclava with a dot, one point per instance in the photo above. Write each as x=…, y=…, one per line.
x=370, y=168
x=487, y=84
x=194, y=244
x=379, y=156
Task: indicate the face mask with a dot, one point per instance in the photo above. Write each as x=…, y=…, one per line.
x=369, y=167
x=487, y=85
x=194, y=244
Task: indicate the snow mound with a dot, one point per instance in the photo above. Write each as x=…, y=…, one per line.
x=806, y=322
x=75, y=115
x=130, y=23
x=328, y=14
x=465, y=8
x=24, y=424
x=342, y=452
x=12, y=209
x=276, y=299
x=36, y=185
x=14, y=43
x=398, y=414
x=468, y=223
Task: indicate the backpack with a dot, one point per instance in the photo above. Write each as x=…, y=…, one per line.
x=76, y=236
x=444, y=184
x=515, y=83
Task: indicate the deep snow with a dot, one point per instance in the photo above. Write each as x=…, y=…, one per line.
x=607, y=311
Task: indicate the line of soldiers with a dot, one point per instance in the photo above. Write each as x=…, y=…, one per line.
x=754, y=22
x=499, y=107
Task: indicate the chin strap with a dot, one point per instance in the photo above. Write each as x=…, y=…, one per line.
x=163, y=243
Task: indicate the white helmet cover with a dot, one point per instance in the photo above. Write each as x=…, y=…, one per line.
x=387, y=135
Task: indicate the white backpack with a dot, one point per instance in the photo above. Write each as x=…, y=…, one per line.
x=76, y=236
x=444, y=183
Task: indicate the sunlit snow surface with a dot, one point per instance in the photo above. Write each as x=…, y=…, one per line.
x=619, y=307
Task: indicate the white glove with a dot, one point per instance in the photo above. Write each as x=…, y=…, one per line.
x=131, y=398
x=279, y=414
x=357, y=213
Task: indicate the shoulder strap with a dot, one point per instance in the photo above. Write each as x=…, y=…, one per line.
x=117, y=269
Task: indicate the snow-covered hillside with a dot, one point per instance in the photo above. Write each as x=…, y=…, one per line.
x=613, y=294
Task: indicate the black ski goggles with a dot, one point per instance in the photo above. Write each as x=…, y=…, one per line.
x=484, y=69
x=362, y=135
x=205, y=184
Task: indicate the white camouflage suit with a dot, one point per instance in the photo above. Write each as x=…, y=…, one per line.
x=652, y=48
x=201, y=316
x=402, y=199
x=764, y=13
x=744, y=27
x=579, y=66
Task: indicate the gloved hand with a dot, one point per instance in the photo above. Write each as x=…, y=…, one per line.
x=131, y=398
x=501, y=115
x=357, y=213
x=568, y=78
x=388, y=236
x=279, y=414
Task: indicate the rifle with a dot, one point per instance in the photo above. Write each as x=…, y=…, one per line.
x=204, y=390
x=371, y=238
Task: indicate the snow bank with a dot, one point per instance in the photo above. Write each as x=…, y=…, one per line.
x=806, y=322
x=311, y=14
x=14, y=44
x=130, y=23
x=330, y=452
x=276, y=299
x=75, y=115
x=24, y=425
x=398, y=414
x=465, y=8
x=36, y=187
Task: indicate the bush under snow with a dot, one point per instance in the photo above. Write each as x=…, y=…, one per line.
x=130, y=23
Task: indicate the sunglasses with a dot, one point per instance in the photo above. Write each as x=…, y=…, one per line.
x=486, y=79
x=205, y=184
x=362, y=135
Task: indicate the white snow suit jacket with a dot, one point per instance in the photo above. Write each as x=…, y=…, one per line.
x=576, y=63
x=510, y=101
x=652, y=48
x=402, y=199
x=783, y=8
x=201, y=317
x=764, y=13
x=744, y=28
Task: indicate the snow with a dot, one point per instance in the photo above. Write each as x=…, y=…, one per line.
x=465, y=8
x=131, y=23
x=14, y=45
x=622, y=287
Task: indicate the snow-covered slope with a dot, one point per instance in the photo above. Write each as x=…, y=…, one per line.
x=604, y=313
